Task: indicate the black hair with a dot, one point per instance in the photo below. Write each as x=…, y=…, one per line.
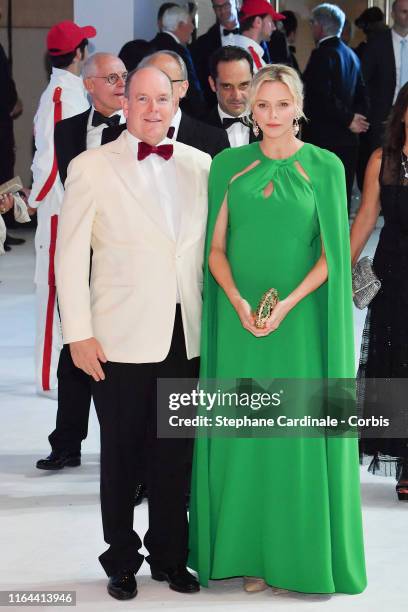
x=63, y=61
x=247, y=24
x=290, y=24
x=229, y=53
x=163, y=8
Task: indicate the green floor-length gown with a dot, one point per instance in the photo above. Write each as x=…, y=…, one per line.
x=284, y=509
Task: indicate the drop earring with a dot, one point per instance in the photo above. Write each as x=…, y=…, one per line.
x=255, y=128
x=296, y=126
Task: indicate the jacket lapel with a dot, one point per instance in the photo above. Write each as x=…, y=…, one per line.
x=188, y=189
x=127, y=167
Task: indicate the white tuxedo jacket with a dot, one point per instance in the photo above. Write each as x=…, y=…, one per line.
x=130, y=304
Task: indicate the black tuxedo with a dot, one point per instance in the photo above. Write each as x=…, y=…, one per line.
x=70, y=140
x=213, y=118
x=211, y=140
x=74, y=386
x=334, y=92
x=380, y=74
x=193, y=103
x=201, y=50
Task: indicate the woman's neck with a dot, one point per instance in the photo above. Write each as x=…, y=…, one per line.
x=280, y=148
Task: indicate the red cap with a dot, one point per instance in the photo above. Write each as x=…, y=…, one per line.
x=251, y=8
x=66, y=36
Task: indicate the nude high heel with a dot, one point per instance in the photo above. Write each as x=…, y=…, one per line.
x=252, y=584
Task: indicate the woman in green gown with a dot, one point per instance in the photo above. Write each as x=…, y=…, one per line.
x=281, y=511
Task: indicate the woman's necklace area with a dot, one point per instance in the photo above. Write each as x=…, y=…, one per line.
x=404, y=163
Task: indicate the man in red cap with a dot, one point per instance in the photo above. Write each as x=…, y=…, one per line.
x=257, y=22
x=64, y=97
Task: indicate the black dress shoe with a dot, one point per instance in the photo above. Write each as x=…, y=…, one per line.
x=58, y=460
x=13, y=240
x=179, y=579
x=122, y=585
x=140, y=494
x=7, y=247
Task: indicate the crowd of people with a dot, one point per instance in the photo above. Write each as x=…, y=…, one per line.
x=125, y=251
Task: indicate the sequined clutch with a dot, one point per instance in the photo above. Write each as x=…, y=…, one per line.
x=365, y=283
x=266, y=304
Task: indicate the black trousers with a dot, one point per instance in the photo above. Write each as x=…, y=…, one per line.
x=125, y=403
x=74, y=400
x=349, y=157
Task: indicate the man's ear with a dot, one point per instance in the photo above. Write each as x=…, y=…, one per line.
x=212, y=84
x=125, y=106
x=89, y=86
x=184, y=89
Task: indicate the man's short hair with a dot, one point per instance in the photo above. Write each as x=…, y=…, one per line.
x=247, y=24
x=163, y=8
x=146, y=61
x=173, y=16
x=63, y=61
x=330, y=17
x=131, y=75
x=229, y=53
x=290, y=24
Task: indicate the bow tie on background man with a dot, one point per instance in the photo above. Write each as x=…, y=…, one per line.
x=165, y=151
x=99, y=119
x=228, y=121
x=226, y=32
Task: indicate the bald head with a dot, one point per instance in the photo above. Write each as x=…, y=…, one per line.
x=98, y=62
x=173, y=65
x=104, y=79
x=400, y=17
x=148, y=104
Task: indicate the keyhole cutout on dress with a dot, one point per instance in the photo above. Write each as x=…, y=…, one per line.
x=302, y=171
x=268, y=190
x=245, y=170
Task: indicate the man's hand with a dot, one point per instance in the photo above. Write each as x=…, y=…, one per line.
x=87, y=355
x=17, y=110
x=6, y=202
x=359, y=124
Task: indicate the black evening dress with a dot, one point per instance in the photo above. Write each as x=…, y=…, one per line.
x=384, y=350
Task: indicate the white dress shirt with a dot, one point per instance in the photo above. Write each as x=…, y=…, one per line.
x=94, y=133
x=238, y=134
x=326, y=38
x=396, y=43
x=226, y=39
x=176, y=123
x=161, y=174
x=173, y=36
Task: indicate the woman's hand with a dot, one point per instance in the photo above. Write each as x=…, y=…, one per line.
x=246, y=316
x=278, y=314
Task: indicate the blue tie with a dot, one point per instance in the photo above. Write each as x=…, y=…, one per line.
x=404, y=62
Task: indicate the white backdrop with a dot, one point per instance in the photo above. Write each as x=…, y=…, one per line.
x=123, y=20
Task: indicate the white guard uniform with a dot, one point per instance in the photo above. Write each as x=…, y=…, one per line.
x=64, y=97
x=256, y=51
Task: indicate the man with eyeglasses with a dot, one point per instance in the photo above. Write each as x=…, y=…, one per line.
x=139, y=321
x=64, y=97
x=219, y=35
x=104, y=79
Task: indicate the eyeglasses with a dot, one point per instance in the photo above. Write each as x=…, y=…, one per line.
x=177, y=80
x=113, y=78
x=220, y=7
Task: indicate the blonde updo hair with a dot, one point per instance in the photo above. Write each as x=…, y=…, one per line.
x=283, y=74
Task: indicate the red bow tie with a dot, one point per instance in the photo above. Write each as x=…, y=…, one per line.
x=165, y=151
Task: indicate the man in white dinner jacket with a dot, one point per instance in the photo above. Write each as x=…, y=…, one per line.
x=140, y=203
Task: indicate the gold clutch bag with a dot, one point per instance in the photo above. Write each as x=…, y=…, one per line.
x=267, y=303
